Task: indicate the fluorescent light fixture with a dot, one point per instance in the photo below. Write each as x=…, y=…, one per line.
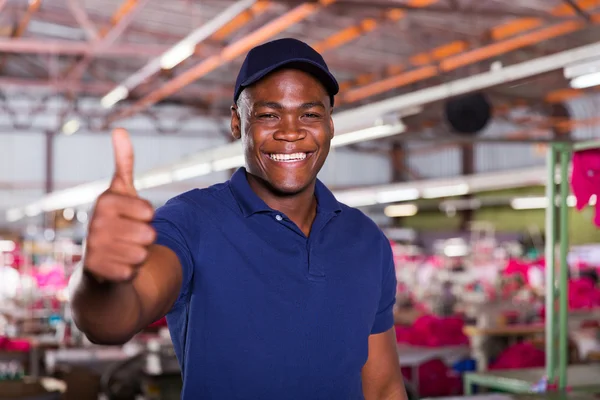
x=114, y=96
x=153, y=180
x=375, y=132
x=192, y=171
x=177, y=54
x=586, y=81
x=33, y=210
x=391, y=196
x=70, y=127
x=228, y=163
x=529, y=203
x=357, y=199
x=456, y=250
x=401, y=210
x=582, y=68
x=445, y=191
x=7, y=245
x=14, y=214
x=68, y=214
x=532, y=203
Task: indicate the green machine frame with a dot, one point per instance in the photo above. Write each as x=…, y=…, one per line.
x=522, y=381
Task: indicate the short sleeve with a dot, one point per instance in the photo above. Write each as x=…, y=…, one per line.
x=175, y=231
x=384, y=320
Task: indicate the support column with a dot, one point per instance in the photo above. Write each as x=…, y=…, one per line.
x=398, y=165
x=467, y=168
x=49, y=176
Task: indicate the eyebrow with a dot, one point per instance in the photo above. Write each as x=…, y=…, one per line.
x=278, y=106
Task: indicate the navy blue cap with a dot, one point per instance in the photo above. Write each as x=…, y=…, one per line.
x=289, y=53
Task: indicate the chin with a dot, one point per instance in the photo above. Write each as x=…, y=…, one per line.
x=286, y=190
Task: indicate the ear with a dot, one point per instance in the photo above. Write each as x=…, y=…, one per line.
x=331, y=124
x=236, y=123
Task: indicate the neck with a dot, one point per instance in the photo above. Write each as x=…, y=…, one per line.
x=301, y=208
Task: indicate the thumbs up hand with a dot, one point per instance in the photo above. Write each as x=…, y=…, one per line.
x=119, y=232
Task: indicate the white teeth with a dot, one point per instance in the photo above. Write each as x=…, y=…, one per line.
x=288, y=157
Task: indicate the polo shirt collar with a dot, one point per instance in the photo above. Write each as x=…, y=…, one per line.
x=250, y=203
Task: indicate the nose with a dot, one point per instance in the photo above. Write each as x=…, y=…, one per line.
x=290, y=130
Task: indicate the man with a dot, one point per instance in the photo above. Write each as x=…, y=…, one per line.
x=272, y=289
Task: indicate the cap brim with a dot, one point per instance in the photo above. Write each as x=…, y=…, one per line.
x=302, y=64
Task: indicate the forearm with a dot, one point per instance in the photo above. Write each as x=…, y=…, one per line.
x=395, y=392
x=107, y=313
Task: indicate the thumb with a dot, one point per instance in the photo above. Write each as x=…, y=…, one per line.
x=123, y=149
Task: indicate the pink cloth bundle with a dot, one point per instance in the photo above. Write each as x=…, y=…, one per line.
x=432, y=331
x=585, y=179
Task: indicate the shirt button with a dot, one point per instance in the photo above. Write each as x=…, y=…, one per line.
x=278, y=217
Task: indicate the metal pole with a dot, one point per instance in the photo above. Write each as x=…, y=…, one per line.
x=564, y=269
x=550, y=263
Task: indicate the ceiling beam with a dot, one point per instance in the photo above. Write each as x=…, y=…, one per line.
x=108, y=36
x=75, y=48
x=191, y=42
x=365, y=26
x=21, y=26
x=497, y=33
x=97, y=88
x=580, y=11
x=228, y=54
x=82, y=18
x=462, y=59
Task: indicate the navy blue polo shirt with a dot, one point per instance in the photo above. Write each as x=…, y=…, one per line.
x=266, y=312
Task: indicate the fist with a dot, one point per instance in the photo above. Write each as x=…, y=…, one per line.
x=119, y=233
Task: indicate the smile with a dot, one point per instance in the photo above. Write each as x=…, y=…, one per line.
x=293, y=157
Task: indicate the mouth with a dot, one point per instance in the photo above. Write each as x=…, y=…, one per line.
x=289, y=157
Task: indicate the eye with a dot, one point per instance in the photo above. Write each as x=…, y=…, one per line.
x=267, y=116
x=312, y=115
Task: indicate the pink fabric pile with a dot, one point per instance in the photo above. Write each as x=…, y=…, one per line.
x=432, y=331
x=585, y=179
x=520, y=355
x=18, y=345
x=436, y=379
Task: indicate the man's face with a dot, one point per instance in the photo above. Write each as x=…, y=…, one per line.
x=285, y=124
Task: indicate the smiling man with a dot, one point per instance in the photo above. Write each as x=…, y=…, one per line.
x=272, y=288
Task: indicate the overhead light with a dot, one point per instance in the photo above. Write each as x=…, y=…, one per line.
x=357, y=199
x=181, y=51
x=228, y=163
x=114, y=96
x=70, y=127
x=391, y=196
x=68, y=214
x=586, y=81
x=153, y=180
x=372, y=133
x=7, y=246
x=582, y=68
x=192, y=171
x=14, y=215
x=82, y=216
x=532, y=203
x=529, y=203
x=445, y=191
x=401, y=210
x=456, y=250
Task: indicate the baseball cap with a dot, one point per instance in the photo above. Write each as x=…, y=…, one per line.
x=289, y=53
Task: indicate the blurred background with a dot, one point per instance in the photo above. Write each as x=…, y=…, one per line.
x=450, y=122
